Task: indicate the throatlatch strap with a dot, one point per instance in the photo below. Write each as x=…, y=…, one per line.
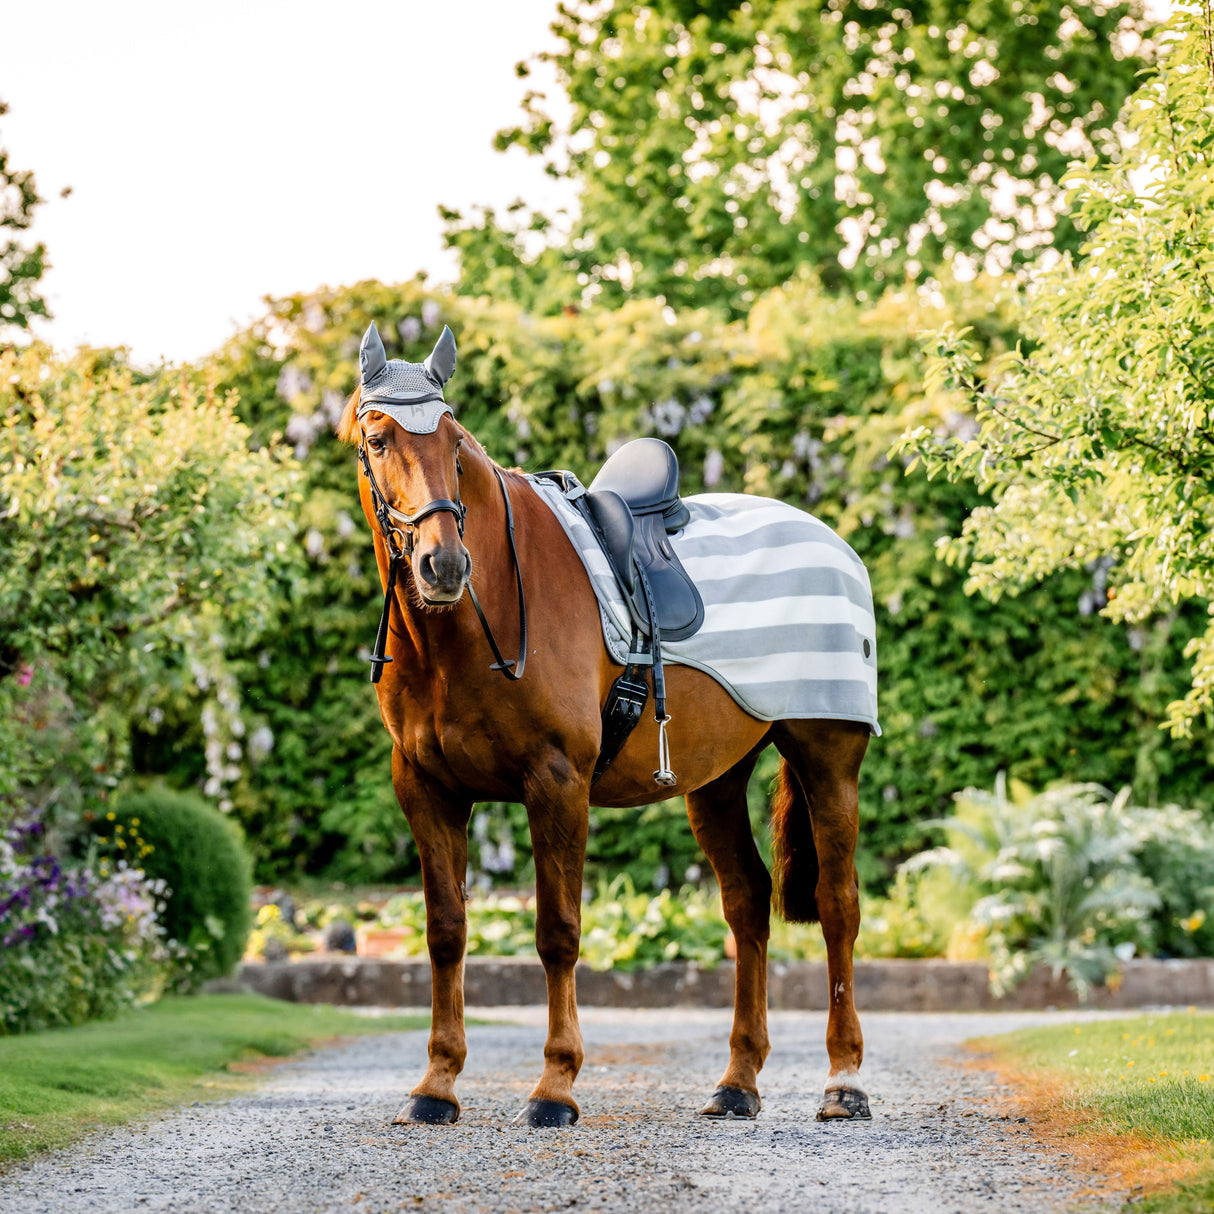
x=505, y=664
x=379, y=655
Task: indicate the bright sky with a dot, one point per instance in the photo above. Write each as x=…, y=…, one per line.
x=224, y=151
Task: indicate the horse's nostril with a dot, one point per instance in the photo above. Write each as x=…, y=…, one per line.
x=426, y=568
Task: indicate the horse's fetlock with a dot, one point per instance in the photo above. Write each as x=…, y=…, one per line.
x=751, y=1045
x=566, y=1059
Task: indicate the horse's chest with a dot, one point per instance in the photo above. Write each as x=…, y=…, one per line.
x=470, y=747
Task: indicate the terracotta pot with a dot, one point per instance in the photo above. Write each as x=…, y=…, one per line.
x=380, y=941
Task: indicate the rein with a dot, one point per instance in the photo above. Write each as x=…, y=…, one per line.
x=398, y=554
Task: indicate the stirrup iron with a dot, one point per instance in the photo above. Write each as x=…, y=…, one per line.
x=664, y=777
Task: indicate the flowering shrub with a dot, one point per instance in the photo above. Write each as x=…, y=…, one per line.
x=198, y=856
x=74, y=943
x=1076, y=878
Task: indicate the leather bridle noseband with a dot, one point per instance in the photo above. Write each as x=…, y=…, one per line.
x=399, y=553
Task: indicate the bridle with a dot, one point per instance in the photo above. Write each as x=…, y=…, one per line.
x=399, y=553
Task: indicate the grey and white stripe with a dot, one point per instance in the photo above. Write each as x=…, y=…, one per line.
x=788, y=612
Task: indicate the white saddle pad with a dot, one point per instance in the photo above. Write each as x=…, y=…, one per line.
x=788, y=611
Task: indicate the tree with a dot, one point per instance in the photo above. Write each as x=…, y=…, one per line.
x=800, y=402
x=721, y=148
x=21, y=266
x=141, y=541
x=1097, y=446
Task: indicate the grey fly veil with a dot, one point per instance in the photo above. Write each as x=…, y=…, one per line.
x=409, y=393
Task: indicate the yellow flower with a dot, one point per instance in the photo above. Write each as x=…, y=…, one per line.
x=1203, y=1079
x=134, y=821
x=109, y=817
x=1130, y=1063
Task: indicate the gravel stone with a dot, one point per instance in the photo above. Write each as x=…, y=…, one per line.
x=316, y=1134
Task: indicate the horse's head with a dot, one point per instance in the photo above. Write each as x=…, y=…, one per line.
x=409, y=442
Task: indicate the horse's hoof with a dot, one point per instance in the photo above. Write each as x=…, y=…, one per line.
x=427, y=1110
x=547, y=1114
x=729, y=1103
x=844, y=1104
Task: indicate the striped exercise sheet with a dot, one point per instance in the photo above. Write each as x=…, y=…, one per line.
x=788, y=612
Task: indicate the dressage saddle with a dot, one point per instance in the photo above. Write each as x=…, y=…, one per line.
x=633, y=507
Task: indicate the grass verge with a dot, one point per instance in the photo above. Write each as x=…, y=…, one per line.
x=56, y=1086
x=1131, y=1099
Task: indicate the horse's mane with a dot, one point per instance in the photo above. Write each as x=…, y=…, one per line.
x=347, y=426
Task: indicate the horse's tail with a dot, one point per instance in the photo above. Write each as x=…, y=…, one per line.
x=794, y=858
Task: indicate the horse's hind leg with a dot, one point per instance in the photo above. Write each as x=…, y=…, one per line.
x=721, y=824
x=825, y=758
x=440, y=830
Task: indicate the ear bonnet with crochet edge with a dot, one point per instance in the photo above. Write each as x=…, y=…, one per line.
x=409, y=393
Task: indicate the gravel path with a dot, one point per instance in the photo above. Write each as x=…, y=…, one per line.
x=315, y=1135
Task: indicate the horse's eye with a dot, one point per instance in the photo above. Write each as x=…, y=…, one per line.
x=376, y=444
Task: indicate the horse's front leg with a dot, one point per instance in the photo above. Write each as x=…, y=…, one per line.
x=558, y=814
x=439, y=823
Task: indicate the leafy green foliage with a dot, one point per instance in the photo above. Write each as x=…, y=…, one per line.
x=199, y=855
x=1075, y=878
x=21, y=265
x=720, y=150
x=141, y=542
x=1096, y=445
x=801, y=402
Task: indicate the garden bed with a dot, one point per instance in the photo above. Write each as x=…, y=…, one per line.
x=924, y=985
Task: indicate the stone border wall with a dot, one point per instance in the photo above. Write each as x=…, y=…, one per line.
x=903, y=986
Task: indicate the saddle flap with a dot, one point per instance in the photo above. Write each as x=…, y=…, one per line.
x=679, y=606
x=612, y=520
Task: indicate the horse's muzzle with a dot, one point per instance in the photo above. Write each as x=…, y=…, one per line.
x=442, y=573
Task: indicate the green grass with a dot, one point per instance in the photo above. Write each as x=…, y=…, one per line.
x=58, y=1085
x=1150, y=1078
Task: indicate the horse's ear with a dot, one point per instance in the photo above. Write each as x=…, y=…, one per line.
x=371, y=354
x=441, y=363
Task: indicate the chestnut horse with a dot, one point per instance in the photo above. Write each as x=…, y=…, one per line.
x=463, y=734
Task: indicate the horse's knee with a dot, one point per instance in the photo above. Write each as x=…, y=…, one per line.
x=558, y=940
x=747, y=906
x=446, y=936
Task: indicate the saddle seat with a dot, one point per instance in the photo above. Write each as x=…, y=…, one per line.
x=634, y=506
